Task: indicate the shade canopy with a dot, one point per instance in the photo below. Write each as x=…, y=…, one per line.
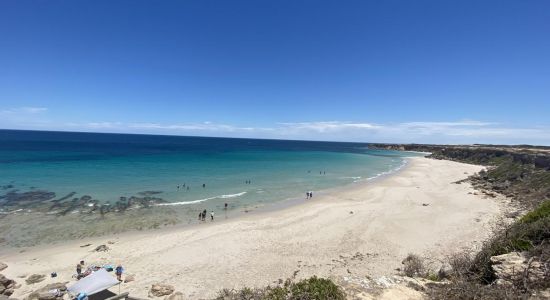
x=93, y=283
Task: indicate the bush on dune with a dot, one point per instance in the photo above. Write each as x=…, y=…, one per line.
x=307, y=289
x=473, y=277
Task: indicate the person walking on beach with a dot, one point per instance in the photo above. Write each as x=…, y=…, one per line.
x=225, y=206
x=200, y=215
x=212, y=216
x=310, y=194
x=118, y=272
x=307, y=195
x=204, y=215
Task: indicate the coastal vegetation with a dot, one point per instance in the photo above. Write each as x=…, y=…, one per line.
x=514, y=263
x=305, y=289
x=522, y=174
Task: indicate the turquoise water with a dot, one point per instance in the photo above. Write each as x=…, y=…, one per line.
x=107, y=167
x=274, y=175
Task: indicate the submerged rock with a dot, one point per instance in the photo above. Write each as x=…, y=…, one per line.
x=14, y=199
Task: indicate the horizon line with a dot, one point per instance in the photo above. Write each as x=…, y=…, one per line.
x=266, y=139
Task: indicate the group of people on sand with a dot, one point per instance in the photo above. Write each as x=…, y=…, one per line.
x=81, y=273
x=202, y=215
x=309, y=195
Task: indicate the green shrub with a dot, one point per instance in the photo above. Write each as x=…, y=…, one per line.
x=307, y=289
x=543, y=211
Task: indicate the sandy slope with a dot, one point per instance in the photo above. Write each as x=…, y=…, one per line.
x=321, y=237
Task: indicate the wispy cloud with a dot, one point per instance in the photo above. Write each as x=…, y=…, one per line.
x=25, y=117
x=205, y=126
x=461, y=131
x=328, y=126
x=25, y=110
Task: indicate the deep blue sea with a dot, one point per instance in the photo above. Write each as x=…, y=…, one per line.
x=94, y=170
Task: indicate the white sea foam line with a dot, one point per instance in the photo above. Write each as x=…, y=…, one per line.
x=387, y=172
x=202, y=200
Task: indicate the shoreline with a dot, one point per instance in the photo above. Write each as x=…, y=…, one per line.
x=242, y=211
x=316, y=237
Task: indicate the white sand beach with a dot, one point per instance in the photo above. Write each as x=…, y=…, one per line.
x=365, y=230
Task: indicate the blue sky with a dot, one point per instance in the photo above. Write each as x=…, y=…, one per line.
x=379, y=71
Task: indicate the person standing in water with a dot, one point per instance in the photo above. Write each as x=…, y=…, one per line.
x=203, y=185
x=212, y=216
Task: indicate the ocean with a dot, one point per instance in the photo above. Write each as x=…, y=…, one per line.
x=64, y=185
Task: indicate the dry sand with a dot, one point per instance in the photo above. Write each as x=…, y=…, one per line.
x=363, y=230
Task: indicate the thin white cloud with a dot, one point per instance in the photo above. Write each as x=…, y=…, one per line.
x=205, y=126
x=25, y=110
x=328, y=126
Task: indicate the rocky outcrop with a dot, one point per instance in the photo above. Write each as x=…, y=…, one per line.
x=515, y=266
x=35, y=278
x=101, y=248
x=7, y=286
x=160, y=289
x=53, y=291
x=3, y=266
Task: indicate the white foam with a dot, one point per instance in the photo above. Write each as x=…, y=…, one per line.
x=232, y=195
x=202, y=200
x=388, y=172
